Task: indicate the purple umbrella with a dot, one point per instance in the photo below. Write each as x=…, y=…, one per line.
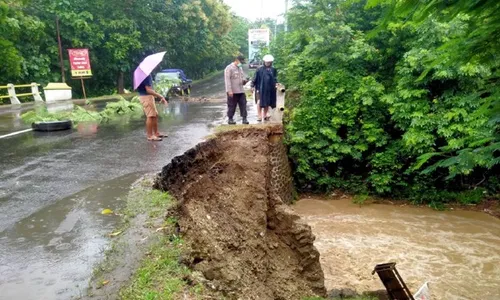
x=146, y=67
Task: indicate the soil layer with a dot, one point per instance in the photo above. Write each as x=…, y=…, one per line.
x=242, y=236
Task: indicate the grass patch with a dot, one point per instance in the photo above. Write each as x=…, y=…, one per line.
x=160, y=275
x=227, y=128
x=141, y=200
x=144, y=200
x=109, y=262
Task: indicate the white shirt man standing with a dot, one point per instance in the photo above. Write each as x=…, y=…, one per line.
x=235, y=80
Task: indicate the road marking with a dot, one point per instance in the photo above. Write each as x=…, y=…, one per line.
x=15, y=133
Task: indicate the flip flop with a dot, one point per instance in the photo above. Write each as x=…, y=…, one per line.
x=161, y=135
x=267, y=118
x=155, y=139
x=259, y=120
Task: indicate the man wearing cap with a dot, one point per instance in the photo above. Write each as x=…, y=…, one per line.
x=264, y=84
x=235, y=80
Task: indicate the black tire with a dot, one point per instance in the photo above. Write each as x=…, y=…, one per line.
x=52, y=125
x=187, y=91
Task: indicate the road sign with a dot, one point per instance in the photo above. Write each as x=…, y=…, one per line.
x=80, y=63
x=257, y=38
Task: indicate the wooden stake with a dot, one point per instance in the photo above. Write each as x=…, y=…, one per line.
x=61, y=62
x=83, y=89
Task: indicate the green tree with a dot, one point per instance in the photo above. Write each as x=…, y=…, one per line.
x=118, y=34
x=239, y=33
x=468, y=48
x=23, y=53
x=376, y=94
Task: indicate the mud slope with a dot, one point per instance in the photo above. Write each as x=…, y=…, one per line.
x=243, y=237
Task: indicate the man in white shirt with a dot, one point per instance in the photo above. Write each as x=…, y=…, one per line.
x=235, y=80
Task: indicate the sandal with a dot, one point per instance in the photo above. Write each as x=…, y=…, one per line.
x=267, y=118
x=155, y=139
x=259, y=120
x=161, y=135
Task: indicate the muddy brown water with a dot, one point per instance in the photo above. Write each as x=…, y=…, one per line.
x=458, y=252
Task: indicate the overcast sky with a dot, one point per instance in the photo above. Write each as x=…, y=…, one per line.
x=256, y=9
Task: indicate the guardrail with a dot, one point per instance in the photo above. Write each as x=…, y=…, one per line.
x=11, y=89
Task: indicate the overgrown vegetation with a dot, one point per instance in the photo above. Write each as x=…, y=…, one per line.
x=394, y=98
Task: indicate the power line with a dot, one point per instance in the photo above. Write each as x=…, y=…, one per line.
x=286, y=17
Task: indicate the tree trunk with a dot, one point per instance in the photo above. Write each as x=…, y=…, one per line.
x=121, y=88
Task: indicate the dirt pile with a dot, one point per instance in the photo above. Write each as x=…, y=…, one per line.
x=244, y=238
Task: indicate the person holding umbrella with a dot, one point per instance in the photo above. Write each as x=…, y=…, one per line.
x=143, y=84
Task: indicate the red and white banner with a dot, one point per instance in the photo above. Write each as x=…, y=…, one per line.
x=80, y=62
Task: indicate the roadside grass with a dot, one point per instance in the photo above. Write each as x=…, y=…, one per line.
x=226, y=128
x=109, y=262
x=160, y=275
x=141, y=200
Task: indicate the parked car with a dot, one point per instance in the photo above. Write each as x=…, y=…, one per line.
x=255, y=64
x=181, y=87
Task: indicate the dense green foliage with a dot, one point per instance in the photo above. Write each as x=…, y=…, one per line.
x=395, y=98
x=198, y=36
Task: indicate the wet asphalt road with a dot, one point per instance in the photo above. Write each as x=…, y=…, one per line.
x=53, y=187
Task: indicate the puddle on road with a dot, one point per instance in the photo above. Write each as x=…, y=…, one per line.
x=457, y=251
x=51, y=253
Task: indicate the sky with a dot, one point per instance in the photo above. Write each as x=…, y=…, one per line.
x=256, y=9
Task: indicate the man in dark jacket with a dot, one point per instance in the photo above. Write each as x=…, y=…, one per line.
x=264, y=83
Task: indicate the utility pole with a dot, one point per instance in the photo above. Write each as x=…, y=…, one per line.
x=286, y=15
x=61, y=62
x=262, y=9
x=275, y=28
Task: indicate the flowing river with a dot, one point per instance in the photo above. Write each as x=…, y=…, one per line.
x=457, y=252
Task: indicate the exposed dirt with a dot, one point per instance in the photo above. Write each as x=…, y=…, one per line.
x=244, y=239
